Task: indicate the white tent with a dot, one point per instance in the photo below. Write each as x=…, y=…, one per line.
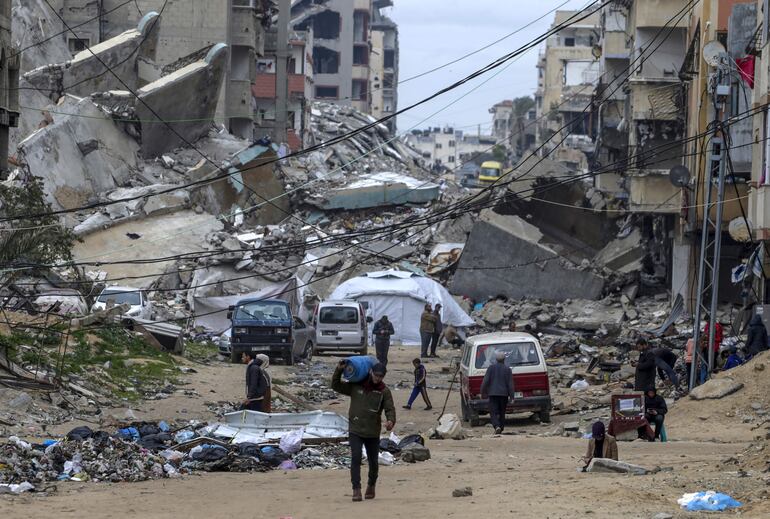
x=401, y=296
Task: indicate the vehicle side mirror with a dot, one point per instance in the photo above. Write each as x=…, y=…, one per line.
x=370, y=319
x=230, y=315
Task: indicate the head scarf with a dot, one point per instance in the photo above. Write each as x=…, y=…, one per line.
x=597, y=430
x=265, y=363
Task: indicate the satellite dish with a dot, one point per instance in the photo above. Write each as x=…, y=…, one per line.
x=713, y=52
x=679, y=176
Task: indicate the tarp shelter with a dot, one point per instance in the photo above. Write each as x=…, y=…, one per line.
x=401, y=296
x=211, y=312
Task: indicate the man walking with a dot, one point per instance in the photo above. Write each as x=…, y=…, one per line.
x=368, y=399
x=665, y=360
x=427, y=327
x=498, y=388
x=256, y=383
x=420, y=386
x=437, y=331
x=644, y=378
x=382, y=331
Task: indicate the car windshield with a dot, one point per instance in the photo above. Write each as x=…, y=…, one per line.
x=263, y=310
x=338, y=315
x=121, y=297
x=516, y=354
x=490, y=172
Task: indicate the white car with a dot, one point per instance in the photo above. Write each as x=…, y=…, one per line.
x=141, y=306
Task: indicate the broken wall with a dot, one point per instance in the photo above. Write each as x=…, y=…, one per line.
x=81, y=154
x=504, y=256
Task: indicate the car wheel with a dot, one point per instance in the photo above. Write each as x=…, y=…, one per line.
x=288, y=359
x=545, y=416
x=469, y=415
x=234, y=357
x=308, y=353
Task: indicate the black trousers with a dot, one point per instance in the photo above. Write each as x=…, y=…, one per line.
x=497, y=405
x=357, y=444
x=382, y=351
x=434, y=342
x=254, y=405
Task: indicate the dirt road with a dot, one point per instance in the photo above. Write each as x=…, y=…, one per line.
x=520, y=474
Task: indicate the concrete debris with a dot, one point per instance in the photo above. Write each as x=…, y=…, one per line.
x=450, y=428
x=716, y=388
x=604, y=465
x=462, y=492
x=415, y=452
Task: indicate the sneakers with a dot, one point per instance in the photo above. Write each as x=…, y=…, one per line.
x=369, y=492
x=499, y=430
x=406, y=406
x=429, y=408
x=357, y=494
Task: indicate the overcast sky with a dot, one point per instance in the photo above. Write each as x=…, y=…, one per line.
x=434, y=32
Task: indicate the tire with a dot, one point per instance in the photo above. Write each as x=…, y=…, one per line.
x=308, y=353
x=234, y=357
x=469, y=415
x=545, y=416
x=288, y=359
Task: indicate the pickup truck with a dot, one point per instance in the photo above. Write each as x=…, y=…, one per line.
x=267, y=326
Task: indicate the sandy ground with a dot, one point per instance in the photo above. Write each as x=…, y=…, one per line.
x=520, y=473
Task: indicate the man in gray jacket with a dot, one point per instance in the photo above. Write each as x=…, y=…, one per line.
x=498, y=388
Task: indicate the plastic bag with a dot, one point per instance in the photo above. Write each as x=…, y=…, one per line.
x=710, y=501
x=292, y=442
x=579, y=385
x=408, y=440
x=385, y=458
x=184, y=436
x=16, y=489
x=273, y=456
x=287, y=465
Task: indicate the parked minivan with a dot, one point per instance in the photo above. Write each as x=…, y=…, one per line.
x=530, y=374
x=341, y=326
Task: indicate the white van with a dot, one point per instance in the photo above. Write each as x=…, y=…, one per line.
x=341, y=326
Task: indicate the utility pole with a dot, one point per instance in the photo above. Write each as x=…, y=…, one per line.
x=281, y=72
x=711, y=233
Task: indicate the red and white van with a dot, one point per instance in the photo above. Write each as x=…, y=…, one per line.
x=530, y=374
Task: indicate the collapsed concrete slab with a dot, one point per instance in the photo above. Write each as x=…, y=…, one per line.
x=377, y=190
x=81, y=154
x=504, y=256
x=250, y=171
x=716, y=388
x=98, y=68
x=591, y=315
x=606, y=465
x=623, y=254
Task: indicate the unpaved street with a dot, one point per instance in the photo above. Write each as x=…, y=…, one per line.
x=520, y=473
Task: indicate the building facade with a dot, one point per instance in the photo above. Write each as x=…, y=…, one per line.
x=9, y=83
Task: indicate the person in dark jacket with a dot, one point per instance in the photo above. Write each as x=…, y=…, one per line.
x=498, y=388
x=665, y=360
x=757, y=338
x=655, y=410
x=427, y=327
x=733, y=359
x=644, y=378
x=437, y=331
x=368, y=400
x=382, y=331
x=420, y=385
x=256, y=383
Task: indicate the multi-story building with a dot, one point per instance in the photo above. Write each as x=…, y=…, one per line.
x=447, y=148
x=384, y=64
x=9, y=83
x=502, y=122
x=300, y=88
x=566, y=69
x=187, y=26
x=355, y=48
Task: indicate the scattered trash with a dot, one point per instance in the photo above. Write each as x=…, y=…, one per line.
x=16, y=488
x=450, y=427
x=292, y=442
x=707, y=501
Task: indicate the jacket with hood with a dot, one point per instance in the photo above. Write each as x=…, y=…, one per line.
x=367, y=402
x=428, y=322
x=256, y=384
x=757, y=339
x=644, y=378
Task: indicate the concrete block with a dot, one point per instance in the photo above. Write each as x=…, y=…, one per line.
x=716, y=388
x=605, y=465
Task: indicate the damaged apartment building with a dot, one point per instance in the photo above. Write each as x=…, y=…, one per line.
x=567, y=69
x=190, y=26
x=354, y=53
x=651, y=108
x=9, y=83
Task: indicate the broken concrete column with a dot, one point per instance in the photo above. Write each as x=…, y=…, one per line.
x=95, y=69
x=617, y=467
x=536, y=270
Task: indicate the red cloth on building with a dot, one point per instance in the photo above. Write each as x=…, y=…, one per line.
x=746, y=69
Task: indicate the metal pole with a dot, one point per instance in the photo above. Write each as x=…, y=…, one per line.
x=282, y=72
x=717, y=251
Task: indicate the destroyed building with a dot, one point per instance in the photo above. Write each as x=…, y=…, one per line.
x=344, y=46
x=9, y=83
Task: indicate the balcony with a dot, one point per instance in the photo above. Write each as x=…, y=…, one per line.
x=651, y=191
x=660, y=13
x=614, y=46
x=759, y=212
x=244, y=27
x=264, y=86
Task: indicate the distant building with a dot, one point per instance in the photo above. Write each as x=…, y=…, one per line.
x=446, y=148
x=502, y=121
x=9, y=83
x=355, y=52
